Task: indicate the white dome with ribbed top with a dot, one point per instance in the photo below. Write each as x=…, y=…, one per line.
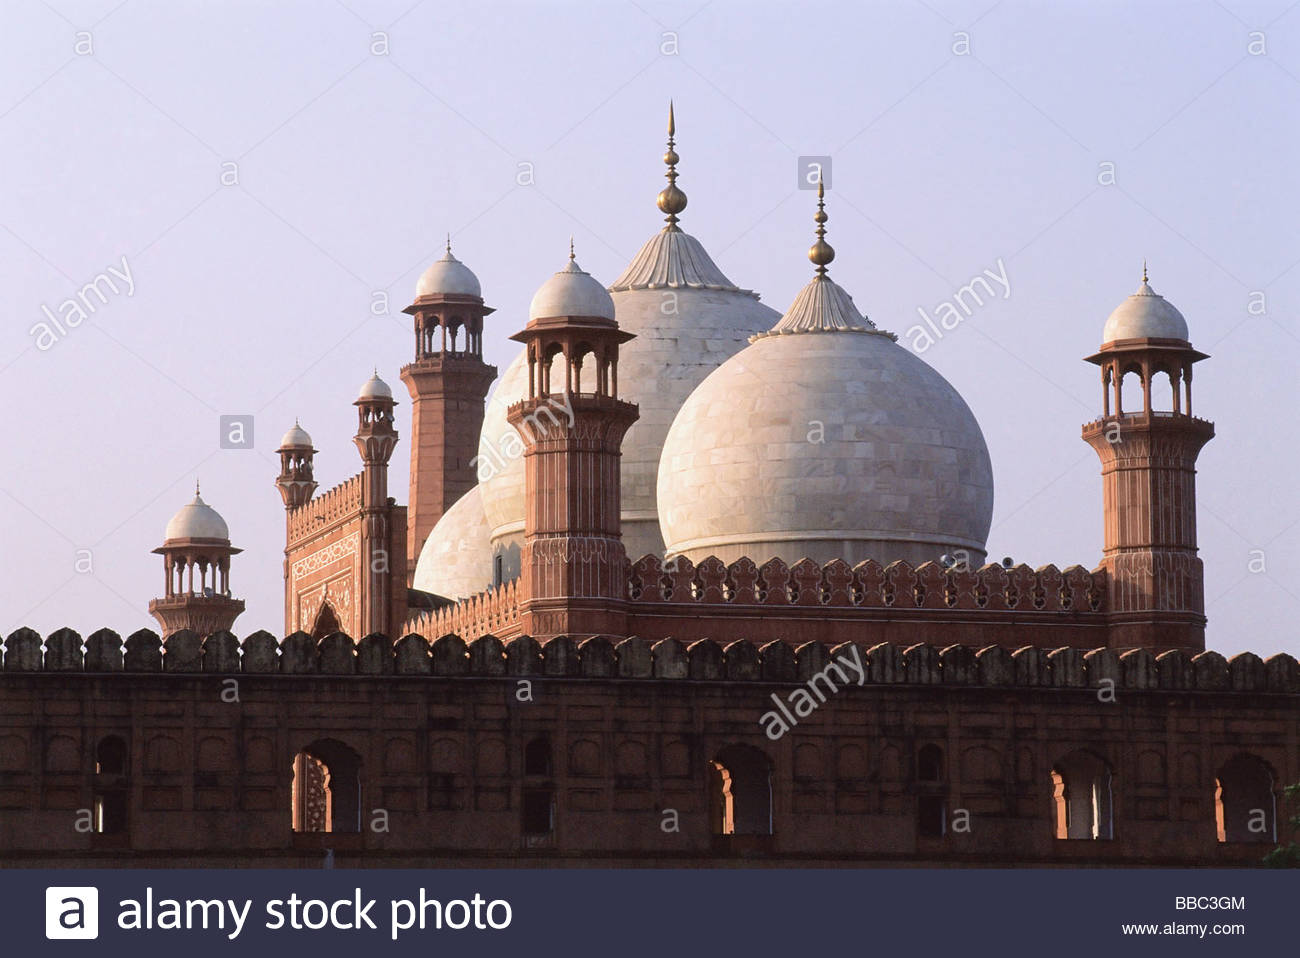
x=825, y=439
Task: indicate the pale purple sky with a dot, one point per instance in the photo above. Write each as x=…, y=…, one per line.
x=949, y=155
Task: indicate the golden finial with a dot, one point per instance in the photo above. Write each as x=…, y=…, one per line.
x=196, y=488
x=671, y=200
x=448, y=242
x=821, y=252
x=1144, y=269
x=571, y=253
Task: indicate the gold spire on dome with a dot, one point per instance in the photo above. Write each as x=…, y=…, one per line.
x=821, y=253
x=1144, y=269
x=671, y=200
x=449, y=243
x=196, y=488
x=571, y=253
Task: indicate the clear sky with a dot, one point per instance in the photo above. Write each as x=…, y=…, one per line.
x=964, y=137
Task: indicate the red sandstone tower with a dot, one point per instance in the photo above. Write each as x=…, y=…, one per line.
x=382, y=609
x=573, y=565
x=448, y=382
x=1148, y=459
x=295, y=482
x=196, y=555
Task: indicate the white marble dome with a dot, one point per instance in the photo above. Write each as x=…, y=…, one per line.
x=688, y=318
x=825, y=439
x=1145, y=315
x=448, y=275
x=296, y=437
x=374, y=388
x=197, y=520
x=571, y=292
x=456, y=560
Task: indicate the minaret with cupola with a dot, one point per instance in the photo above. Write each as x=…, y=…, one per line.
x=448, y=382
x=296, y=482
x=375, y=439
x=574, y=566
x=196, y=553
x=1148, y=458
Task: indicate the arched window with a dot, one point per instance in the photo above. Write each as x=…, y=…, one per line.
x=1130, y=391
x=327, y=788
x=931, y=800
x=929, y=764
x=111, y=787
x=740, y=792
x=1082, y=797
x=1245, y=805
x=537, y=757
x=327, y=623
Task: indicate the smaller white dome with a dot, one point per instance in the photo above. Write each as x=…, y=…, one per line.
x=571, y=292
x=296, y=437
x=374, y=388
x=197, y=520
x=456, y=560
x=1145, y=315
x=448, y=275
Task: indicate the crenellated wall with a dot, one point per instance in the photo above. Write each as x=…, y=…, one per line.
x=494, y=611
x=212, y=726
x=325, y=510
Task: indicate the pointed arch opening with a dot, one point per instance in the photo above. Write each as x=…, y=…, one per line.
x=1081, y=796
x=740, y=791
x=327, y=788
x=1245, y=800
x=327, y=622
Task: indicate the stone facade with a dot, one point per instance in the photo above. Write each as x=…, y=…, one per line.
x=942, y=756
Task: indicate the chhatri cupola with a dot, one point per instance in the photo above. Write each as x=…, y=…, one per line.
x=196, y=553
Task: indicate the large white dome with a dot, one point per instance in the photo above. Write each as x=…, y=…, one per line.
x=1145, y=315
x=456, y=561
x=825, y=439
x=688, y=318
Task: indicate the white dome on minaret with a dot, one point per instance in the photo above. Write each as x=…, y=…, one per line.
x=448, y=275
x=197, y=520
x=1145, y=315
x=571, y=292
x=374, y=388
x=688, y=318
x=825, y=439
x=296, y=438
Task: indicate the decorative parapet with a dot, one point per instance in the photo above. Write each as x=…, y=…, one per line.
x=494, y=611
x=339, y=503
x=603, y=657
x=867, y=585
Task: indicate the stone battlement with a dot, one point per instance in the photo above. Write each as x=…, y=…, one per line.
x=326, y=509
x=494, y=611
x=868, y=585
x=634, y=658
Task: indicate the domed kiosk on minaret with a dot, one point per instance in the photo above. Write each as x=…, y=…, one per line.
x=196, y=553
x=825, y=439
x=688, y=318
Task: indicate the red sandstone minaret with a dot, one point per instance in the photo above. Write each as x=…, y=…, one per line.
x=295, y=482
x=196, y=555
x=448, y=382
x=573, y=567
x=1148, y=459
x=376, y=438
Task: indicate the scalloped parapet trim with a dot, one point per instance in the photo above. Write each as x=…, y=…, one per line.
x=603, y=657
x=326, y=509
x=867, y=585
